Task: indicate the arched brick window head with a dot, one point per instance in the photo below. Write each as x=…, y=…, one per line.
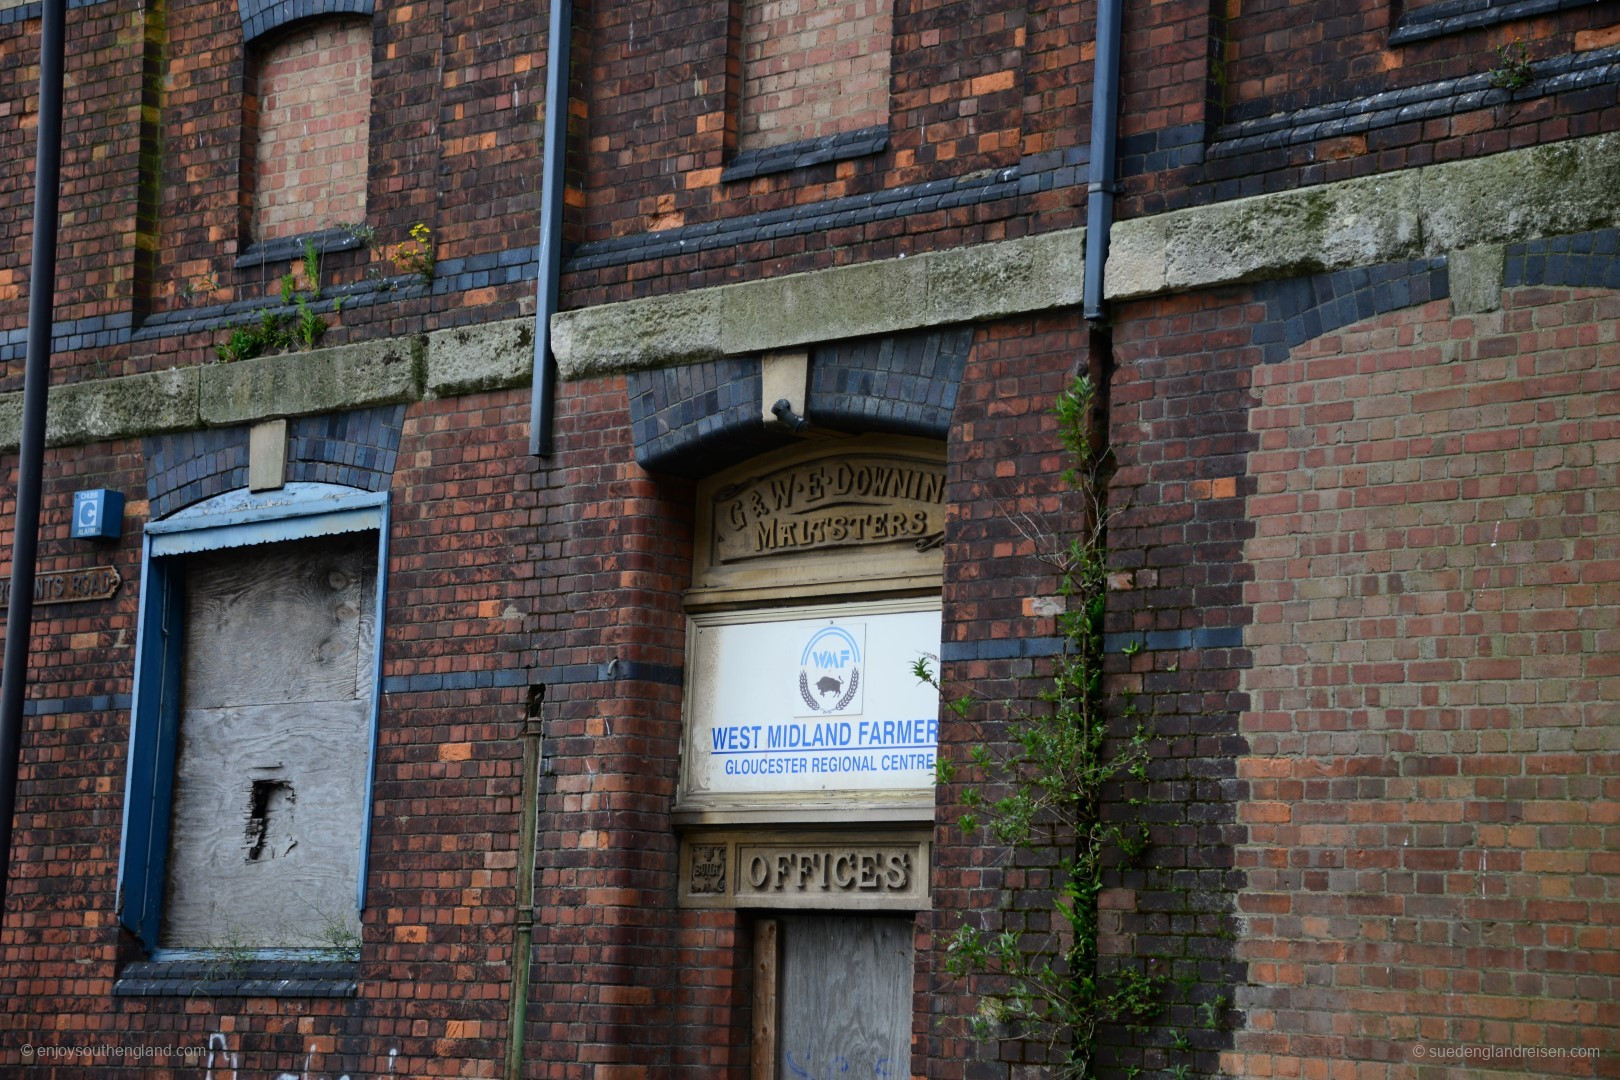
x=314, y=119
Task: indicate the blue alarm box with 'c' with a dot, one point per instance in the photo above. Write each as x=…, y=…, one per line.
x=98, y=514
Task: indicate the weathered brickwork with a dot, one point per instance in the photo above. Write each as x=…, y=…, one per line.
x=1431, y=703
x=1178, y=426
x=1009, y=513
x=958, y=90
x=455, y=134
x=201, y=211
x=608, y=941
x=355, y=450
x=444, y=832
x=314, y=116
x=475, y=141
x=1394, y=732
x=436, y=950
x=1362, y=558
x=100, y=150
x=1330, y=64
x=262, y=17
x=700, y=418
x=1279, y=54
x=65, y=862
x=622, y=978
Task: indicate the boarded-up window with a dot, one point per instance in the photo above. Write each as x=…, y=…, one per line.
x=813, y=68
x=843, y=996
x=314, y=120
x=270, y=773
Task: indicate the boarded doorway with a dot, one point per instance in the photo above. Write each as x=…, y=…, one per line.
x=844, y=997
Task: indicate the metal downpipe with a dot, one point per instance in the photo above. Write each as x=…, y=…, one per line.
x=1100, y=186
x=523, y=936
x=554, y=177
x=31, y=456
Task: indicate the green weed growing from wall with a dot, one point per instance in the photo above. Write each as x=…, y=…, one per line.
x=276, y=331
x=1054, y=765
x=415, y=256
x=1513, y=70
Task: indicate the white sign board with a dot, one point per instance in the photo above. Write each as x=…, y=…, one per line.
x=811, y=700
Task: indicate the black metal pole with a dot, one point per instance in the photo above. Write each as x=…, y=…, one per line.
x=31, y=458
x=555, y=174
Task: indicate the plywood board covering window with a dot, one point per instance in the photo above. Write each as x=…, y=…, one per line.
x=813, y=68
x=270, y=771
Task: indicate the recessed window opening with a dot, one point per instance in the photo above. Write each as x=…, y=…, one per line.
x=313, y=122
x=251, y=753
x=813, y=68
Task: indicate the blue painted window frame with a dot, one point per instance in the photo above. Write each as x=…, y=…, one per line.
x=235, y=519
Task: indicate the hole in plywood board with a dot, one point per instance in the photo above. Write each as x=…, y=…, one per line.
x=270, y=820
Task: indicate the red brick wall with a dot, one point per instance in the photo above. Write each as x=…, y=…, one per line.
x=202, y=218
x=59, y=947
x=314, y=114
x=1436, y=597
x=813, y=68
x=443, y=860
x=465, y=156
x=1284, y=55
x=457, y=93
x=1007, y=512
x=438, y=930
x=499, y=566
x=612, y=545
x=496, y=567
x=1179, y=400
x=1192, y=63
x=100, y=146
x=973, y=84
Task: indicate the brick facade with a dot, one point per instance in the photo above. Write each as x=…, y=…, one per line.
x=1429, y=703
x=1361, y=560
x=1008, y=511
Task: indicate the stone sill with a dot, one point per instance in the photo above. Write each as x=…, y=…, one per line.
x=387, y=371
x=1455, y=16
x=806, y=152
x=284, y=977
x=289, y=248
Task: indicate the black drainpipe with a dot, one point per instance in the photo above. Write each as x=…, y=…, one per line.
x=31, y=450
x=1104, y=129
x=554, y=176
x=517, y=1012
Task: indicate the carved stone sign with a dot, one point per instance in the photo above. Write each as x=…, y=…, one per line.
x=845, y=871
x=819, y=518
x=804, y=869
x=709, y=869
x=69, y=586
x=842, y=502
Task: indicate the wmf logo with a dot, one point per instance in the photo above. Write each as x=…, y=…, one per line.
x=830, y=671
